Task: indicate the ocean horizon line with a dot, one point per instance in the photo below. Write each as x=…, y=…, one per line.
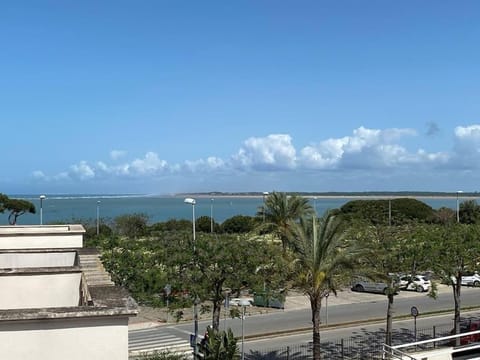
x=253, y=194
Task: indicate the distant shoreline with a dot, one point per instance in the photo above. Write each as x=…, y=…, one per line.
x=336, y=196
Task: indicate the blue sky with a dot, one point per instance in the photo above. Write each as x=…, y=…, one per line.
x=161, y=97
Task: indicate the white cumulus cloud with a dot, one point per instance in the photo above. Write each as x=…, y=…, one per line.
x=375, y=152
x=203, y=165
x=83, y=171
x=273, y=152
x=366, y=148
x=151, y=163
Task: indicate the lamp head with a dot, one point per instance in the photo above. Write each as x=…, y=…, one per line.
x=189, y=201
x=42, y=197
x=244, y=302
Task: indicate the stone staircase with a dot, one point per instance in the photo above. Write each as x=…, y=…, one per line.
x=93, y=269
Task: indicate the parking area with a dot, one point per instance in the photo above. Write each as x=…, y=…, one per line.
x=297, y=301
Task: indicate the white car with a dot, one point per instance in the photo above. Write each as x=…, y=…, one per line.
x=469, y=279
x=416, y=283
x=362, y=285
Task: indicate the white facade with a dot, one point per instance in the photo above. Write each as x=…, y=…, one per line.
x=53, y=305
x=65, y=339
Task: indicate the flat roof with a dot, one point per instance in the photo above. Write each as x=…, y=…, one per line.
x=108, y=300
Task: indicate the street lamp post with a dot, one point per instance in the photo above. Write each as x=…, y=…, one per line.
x=42, y=197
x=98, y=217
x=315, y=204
x=211, y=215
x=265, y=193
x=192, y=202
x=326, y=309
x=458, y=206
x=243, y=303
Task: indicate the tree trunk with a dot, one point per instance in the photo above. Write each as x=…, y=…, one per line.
x=316, y=304
x=217, y=306
x=457, y=302
x=388, y=332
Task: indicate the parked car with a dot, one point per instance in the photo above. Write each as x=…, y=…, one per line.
x=466, y=327
x=471, y=279
x=362, y=285
x=418, y=283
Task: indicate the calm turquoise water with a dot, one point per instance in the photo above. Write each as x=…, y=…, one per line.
x=68, y=208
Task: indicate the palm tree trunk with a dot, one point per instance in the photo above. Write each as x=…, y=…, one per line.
x=316, y=304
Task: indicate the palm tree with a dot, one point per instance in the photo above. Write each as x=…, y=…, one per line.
x=280, y=211
x=220, y=345
x=323, y=258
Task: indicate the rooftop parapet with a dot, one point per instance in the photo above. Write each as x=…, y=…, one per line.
x=41, y=236
x=40, y=229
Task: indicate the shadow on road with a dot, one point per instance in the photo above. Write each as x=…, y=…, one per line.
x=363, y=344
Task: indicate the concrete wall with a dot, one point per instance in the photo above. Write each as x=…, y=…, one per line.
x=40, y=291
x=54, y=241
x=36, y=260
x=102, y=338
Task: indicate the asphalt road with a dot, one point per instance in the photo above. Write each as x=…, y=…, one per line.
x=347, y=313
x=370, y=307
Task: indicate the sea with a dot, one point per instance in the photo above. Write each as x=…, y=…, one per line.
x=73, y=208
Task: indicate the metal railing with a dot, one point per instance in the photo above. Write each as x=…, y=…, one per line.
x=368, y=345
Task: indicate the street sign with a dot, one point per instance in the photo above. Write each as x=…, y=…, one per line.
x=167, y=289
x=414, y=312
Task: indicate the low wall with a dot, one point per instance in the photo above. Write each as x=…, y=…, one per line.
x=25, y=260
x=40, y=290
x=41, y=237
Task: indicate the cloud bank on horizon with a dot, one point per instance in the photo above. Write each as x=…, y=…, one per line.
x=354, y=162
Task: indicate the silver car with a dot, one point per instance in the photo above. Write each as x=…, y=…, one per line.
x=362, y=285
x=471, y=279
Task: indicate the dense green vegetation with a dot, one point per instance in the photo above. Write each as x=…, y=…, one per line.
x=287, y=246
